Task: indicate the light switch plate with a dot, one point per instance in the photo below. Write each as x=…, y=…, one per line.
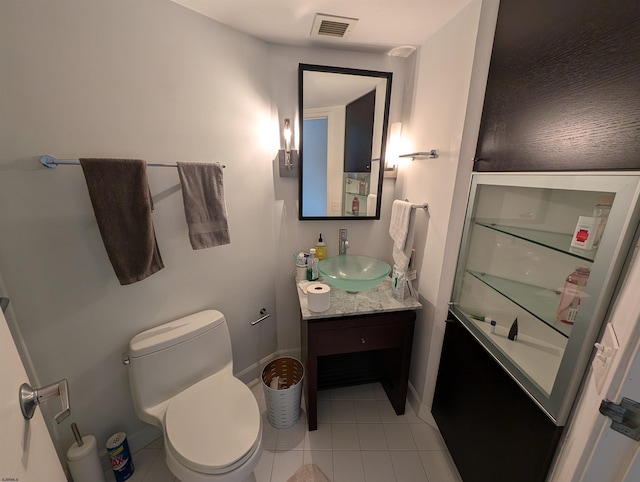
x=606, y=352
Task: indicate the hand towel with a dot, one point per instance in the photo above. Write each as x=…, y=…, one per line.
x=204, y=206
x=401, y=212
x=401, y=256
x=372, y=204
x=122, y=204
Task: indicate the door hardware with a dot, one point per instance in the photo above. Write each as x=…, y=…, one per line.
x=626, y=416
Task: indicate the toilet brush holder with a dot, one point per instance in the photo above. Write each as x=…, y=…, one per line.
x=83, y=460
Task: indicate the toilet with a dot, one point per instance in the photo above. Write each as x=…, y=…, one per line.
x=181, y=380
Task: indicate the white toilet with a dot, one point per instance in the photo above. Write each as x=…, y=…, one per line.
x=181, y=380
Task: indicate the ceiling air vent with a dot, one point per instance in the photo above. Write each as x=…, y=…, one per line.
x=332, y=26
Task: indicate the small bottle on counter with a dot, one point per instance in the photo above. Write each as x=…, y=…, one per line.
x=312, y=266
x=321, y=249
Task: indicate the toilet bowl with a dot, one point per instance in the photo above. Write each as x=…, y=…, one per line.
x=181, y=380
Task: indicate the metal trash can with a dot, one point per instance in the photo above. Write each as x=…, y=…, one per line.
x=283, y=404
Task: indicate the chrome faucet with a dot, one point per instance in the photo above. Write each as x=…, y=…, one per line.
x=344, y=244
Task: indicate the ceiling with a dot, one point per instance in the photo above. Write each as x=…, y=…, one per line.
x=382, y=24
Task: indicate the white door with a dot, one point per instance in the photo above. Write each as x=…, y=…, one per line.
x=26, y=450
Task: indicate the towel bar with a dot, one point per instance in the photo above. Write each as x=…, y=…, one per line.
x=51, y=162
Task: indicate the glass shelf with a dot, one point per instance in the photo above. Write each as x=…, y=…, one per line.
x=556, y=241
x=539, y=302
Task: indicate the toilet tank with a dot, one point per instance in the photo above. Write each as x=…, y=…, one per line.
x=167, y=359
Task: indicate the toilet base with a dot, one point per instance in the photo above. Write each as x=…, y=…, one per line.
x=243, y=473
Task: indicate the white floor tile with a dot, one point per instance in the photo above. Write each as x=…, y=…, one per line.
x=367, y=411
x=324, y=411
x=347, y=466
x=285, y=464
x=269, y=435
x=379, y=392
x=439, y=467
x=159, y=472
x=323, y=459
x=262, y=472
x=343, y=411
x=388, y=414
x=291, y=438
x=408, y=467
x=426, y=437
x=359, y=439
x=399, y=436
x=372, y=437
x=342, y=393
x=319, y=439
x=378, y=467
x=344, y=436
x=364, y=392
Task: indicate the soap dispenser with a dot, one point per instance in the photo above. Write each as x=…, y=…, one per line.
x=321, y=249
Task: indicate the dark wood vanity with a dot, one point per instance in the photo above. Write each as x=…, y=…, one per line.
x=362, y=338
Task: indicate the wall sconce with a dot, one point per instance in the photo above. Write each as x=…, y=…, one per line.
x=393, y=151
x=287, y=157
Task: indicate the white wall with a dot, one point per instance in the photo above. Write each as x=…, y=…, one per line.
x=442, y=113
x=143, y=79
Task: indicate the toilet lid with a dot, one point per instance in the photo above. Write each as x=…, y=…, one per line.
x=213, y=426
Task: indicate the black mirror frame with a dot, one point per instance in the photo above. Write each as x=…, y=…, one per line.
x=385, y=126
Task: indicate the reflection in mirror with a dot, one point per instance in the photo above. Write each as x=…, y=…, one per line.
x=343, y=129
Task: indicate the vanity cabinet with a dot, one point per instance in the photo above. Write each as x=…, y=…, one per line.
x=563, y=90
x=364, y=337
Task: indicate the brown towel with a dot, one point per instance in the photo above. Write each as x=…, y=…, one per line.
x=122, y=205
x=204, y=206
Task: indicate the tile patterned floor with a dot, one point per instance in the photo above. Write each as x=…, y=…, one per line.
x=359, y=439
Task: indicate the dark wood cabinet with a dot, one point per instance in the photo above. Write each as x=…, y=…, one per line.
x=357, y=349
x=563, y=91
x=493, y=430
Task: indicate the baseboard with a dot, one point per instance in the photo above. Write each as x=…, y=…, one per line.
x=422, y=410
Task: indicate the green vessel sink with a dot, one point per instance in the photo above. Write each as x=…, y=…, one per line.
x=353, y=272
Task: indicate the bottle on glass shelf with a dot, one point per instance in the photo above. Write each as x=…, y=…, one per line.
x=572, y=295
x=601, y=213
x=355, y=206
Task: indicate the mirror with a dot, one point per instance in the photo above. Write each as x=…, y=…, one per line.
x=343, y=130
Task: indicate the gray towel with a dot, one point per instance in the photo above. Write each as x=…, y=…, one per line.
x=204, y=206
x=122, y=205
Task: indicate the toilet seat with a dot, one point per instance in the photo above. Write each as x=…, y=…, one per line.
x=213, y=427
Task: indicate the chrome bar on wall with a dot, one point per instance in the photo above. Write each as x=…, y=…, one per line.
x=51, y=162
x=265, y=314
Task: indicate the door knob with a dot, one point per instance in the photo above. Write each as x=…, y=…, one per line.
x=31, y=397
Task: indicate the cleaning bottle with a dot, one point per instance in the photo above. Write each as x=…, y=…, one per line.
x=312, y=266
x=321, y=249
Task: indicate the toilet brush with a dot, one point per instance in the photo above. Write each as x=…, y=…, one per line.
x=83, y=460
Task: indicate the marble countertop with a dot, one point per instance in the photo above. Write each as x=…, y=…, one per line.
x=375, y=300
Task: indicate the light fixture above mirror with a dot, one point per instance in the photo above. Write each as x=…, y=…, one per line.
x=343, y=121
